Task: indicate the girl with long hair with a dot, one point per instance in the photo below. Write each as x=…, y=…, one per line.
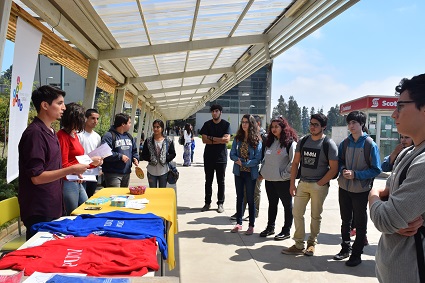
x=276, y=170
x=246, y=154
x=158, y=150
x=73, y=121
x=188, y=137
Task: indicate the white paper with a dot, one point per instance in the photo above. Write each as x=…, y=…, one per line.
x=84, y=159
x=137, y=203
x=103, y=151
x=40, y=277
x=88, y=178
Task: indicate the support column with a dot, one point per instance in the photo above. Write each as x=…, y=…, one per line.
x=119, y=100
x=141, y=121
x=148, y=122
x=5, y=7
x=133, y=113
x=91, y=83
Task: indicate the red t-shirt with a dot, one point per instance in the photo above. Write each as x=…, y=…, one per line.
x=92, y=255
x=70, y=147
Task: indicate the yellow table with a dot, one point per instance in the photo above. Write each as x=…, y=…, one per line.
x=162, y=202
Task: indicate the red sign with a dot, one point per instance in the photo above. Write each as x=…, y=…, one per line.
x=368, y=103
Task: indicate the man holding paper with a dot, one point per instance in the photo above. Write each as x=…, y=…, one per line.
x=40, y=165
x=90, y=140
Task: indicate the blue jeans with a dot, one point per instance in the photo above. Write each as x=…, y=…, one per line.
x=241, y=181
x=74, y=195
x=157, y=181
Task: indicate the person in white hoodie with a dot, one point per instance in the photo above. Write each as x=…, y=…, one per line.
x=276, y=170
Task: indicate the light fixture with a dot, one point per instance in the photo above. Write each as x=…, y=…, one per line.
x=294, y=8
x=245, y=56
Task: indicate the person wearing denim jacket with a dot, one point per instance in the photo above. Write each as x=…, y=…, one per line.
x=246, y=154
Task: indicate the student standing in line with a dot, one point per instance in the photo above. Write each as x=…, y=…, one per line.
x=117, y=167
x=317, y=169
x=90, y=140
x=215, y=135
x=40, y=164
x=158, y=150
x=276, y=170
x=355, y=182
x=246, y=154
x=401, y=217
x=188, y=137
x=73, y=121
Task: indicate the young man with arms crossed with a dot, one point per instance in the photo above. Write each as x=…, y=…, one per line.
x=215, y=135
x=90, y=140
x=40, y=162
x=400, y=217
x=317, y=170
x=355, y=182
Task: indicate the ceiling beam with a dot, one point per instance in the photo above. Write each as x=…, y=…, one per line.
x=59, y=22
x=178, y=88
x=180, y=75
x=175, y=47
x=167, y=98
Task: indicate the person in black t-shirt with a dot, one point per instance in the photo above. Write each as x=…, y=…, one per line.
x=215, y=135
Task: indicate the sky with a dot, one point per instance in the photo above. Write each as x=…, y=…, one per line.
x=366, y=50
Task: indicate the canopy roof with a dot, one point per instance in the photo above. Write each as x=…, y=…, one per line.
x=175, y=55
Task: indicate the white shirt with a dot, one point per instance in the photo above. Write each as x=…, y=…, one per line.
x=187, y=137
x=90, y=141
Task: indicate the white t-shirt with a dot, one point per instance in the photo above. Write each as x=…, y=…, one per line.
x=90, y=141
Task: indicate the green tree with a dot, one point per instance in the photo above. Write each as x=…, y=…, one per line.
x=105, y=104
x=312, y=111
x=281, y=108
x=334, y=118
x=294, y=114
x=305, y=120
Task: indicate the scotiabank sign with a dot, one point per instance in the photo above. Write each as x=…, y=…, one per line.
x=369, y=103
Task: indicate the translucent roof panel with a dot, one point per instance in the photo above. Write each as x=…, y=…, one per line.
x=216, y=18
x=171, y=63
x=168, y=21
x=228, y=56
x=193, y=81
x=123, y=20
x=211, y=79
x=200, y=60
x=172, y=83
x=145, y=66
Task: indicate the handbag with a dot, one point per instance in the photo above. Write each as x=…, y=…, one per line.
x=181, y=140
x=173, y=174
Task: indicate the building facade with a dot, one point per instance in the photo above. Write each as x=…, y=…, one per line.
x=251, y=96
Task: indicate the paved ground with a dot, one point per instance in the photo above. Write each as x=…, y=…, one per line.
x=206, y=251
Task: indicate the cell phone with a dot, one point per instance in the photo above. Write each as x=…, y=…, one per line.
x=93, y=208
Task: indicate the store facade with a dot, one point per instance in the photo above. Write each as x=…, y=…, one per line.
x=379, y=122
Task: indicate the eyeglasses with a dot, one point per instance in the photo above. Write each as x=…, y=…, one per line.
x=316, y=125
x=401, y=102
x=244, y=122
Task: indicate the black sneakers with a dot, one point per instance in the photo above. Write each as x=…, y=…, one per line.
x=206, y=207
x=267, y=232
x=282, y=236
x=344, y=253
x=354, y=260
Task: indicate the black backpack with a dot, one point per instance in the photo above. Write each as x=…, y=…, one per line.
x=326, y=142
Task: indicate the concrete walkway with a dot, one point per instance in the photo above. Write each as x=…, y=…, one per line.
x=206, y=251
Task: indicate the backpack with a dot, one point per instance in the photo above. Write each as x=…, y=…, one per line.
x=421, y=230
x=367, y=149
x=326, y=142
